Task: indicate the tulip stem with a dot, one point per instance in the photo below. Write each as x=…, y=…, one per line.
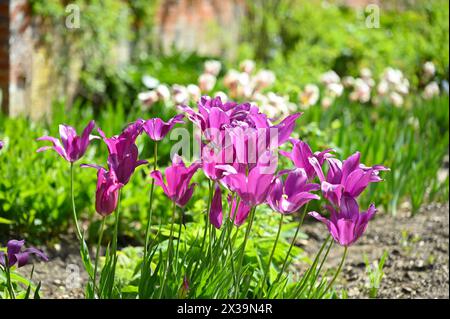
x=241, y=258
x=8, y=278
x=149, y=217
x=336, y=274
x=74, y=211
x=169, y=250
x=114, y=245
x=273, y=251
x=97, y=252
x=283, y=268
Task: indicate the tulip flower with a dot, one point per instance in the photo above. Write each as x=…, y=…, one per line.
x=178, y=177
x=18, y=256
x=301, y=152
x=1, y=144
x=123, y=152
x=157, y=129
x=288, y=196
x=71, y=147
x=242, y=211
x=347, y=224
x=347, y=178
x=215, y=212
x=252, y=189
x=107, y=192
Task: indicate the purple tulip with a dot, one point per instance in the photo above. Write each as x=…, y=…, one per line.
x=301, y=152
x=107, y=192
x=178, y=177
x=346, y=225
x=347, y=178
x=123, y=152
x=242, y=211
x=252, y=189
x=289, y=196
x=214, y=163
x=71, y=147
x=1, y=145
x=18, y=256
x=215, y=212
x=157, y=129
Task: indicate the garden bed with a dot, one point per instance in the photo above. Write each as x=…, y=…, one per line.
x=417, y=265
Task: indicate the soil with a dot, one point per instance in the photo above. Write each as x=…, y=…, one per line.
x=417, y=265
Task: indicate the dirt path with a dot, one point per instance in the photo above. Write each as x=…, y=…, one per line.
x=417, y=266
x=418, y=262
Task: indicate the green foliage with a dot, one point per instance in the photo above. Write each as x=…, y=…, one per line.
x=375, y=274
x=299, y=40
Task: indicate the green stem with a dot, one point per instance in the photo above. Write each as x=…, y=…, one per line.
x=241, y=258
x=272, y=253
x=169, y=250
x=115, y=236
x=149, y=217
x=320, y=267
x=178, y=244
x=97, y=253
x=283, y=268
x=8, y=279
x=336, y=274
x=75, y=218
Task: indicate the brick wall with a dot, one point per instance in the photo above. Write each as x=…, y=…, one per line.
x=4, y=54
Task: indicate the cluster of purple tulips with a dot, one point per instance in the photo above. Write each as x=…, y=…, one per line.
x=239, y=148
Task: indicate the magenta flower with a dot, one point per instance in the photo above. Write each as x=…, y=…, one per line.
x=18, y=256
x=71, y=147
x=288, y=196
x=178, y=177
x=157, y=129
x=242, y=211
x=107, y=192
x=348, y=224
x=252, y=189
x=1, y=145
x=300, y=154
x=214, y=163
x=123, y=152
x=347, y=178
x=215, y=212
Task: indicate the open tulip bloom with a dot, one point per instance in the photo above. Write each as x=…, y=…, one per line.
x=288, y=196
x=346, y=178
x=71, y=147
x=346, y=224
x=157, y=129
x=18, y=256
x=178, y=176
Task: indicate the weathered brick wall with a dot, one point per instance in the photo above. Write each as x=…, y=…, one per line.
x=209, y=27
x=4, y=53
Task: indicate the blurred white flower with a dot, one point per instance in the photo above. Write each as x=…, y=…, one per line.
x=365, y=73
x=383, y=87
x=148, y=99
x=150, y=82
x=429, y=69
x=335, y=89
x=361, y=91
x=231, y=79
x=206, y=82
x=348, y=81
x=263, y=79
x=327, y=101
x=222, y=95
x=247, y=66
x=393, y=76
x=431, y=90
x=180, y=94
x=212, y=67
x=330, y=77
x=163, y=92
x=396, y=99
x=194, y=92
x=309, y=96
